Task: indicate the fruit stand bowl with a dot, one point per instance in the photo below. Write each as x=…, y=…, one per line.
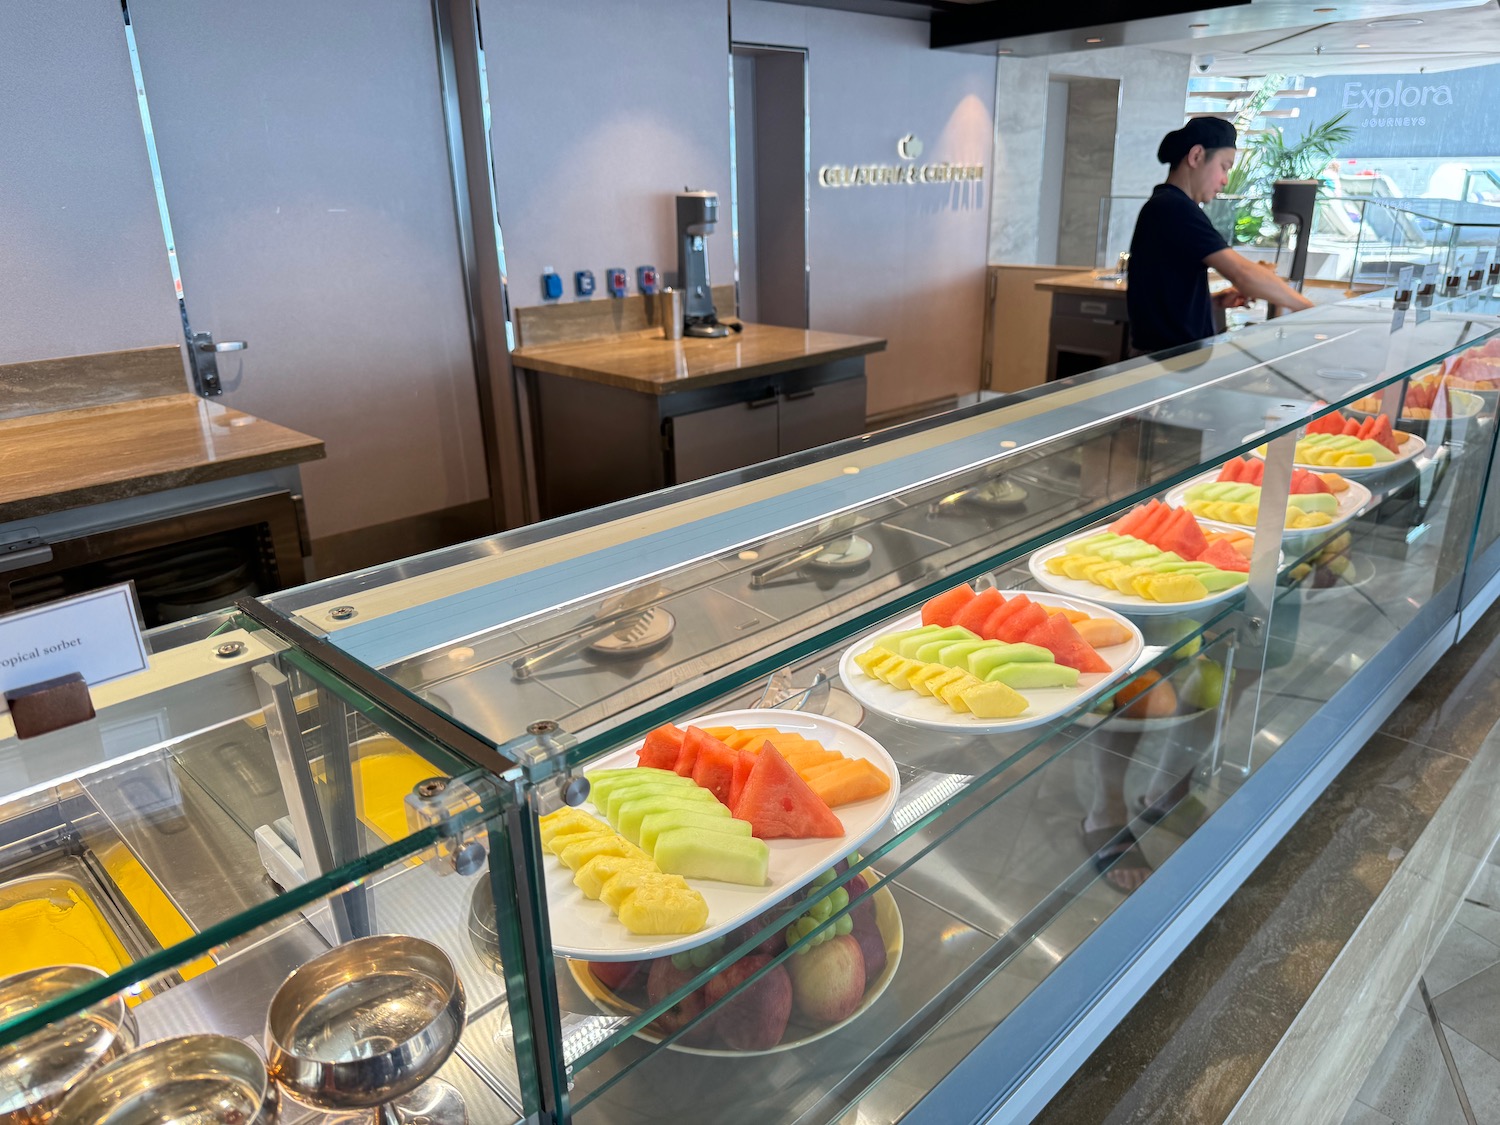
x=798, y=1033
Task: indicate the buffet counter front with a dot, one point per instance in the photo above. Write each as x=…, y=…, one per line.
x=873, y=783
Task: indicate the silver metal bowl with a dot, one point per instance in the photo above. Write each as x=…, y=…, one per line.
x=365, y=1024
x=190, y=1080
x=36, y=1072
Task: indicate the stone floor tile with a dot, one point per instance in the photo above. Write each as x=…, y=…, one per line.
x=1409, y=1083
x=1473, y=1010
x=1480, y=1073
x=1461, y=955
x=1361, y=1114
x=1483, y=920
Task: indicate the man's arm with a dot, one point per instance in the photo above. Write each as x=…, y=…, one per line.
x=1254, y=282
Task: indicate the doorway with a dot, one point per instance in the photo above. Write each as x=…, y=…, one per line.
x=768, y=127
x=1088, y=111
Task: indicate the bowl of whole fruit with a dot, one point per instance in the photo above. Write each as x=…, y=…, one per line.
x=827, y=983
x=1333, y=570
x=1155, y=701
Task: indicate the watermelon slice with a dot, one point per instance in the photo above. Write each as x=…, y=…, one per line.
x=1220, y=554
x=693, y=743
x=1183, y=536
x=714, y=767
x=1328, y=424
x=1234, y=472
x=1058, y=637
x=1019, y=624
x=1151, y=528
x=744, y=762
x=1305, y=483
x=996, y=620
x=780, y=805
x=661, y=749
x=1385, y=435
x=974, y=612
x=940, y=610
x=1351, y=428
x=1126, y=524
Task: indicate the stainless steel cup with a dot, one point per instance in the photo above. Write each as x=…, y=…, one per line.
x=669, y=312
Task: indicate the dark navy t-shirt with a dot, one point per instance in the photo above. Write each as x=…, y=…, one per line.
x=1168, y=290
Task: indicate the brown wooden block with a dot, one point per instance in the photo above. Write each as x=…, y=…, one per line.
x=50, y=705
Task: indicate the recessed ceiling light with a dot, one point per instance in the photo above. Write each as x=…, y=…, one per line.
x=1197, y=25
x=1006, y=51
x=1094, y=40
x=1361, y=46
x=1401, y=21
x=1323, y=11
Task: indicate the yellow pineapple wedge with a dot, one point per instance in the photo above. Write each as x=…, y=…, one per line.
x=591, y=877
x=562, y=821
x=994, y=700
x=618, y=887
x=660, y=908
x=576, y=855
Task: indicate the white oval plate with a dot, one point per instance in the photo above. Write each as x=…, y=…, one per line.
x=585, y=929
x=1352, y=502
x=1411, y=446
x=1132, y=604
x=887, y=920
x=919, y=710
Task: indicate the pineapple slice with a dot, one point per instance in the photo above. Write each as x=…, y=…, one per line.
x=868, y=660
x=994, y=700
x=882, y=668
x=1175, y=588
x=952, y=692
x=1077, y=566
x=564, y=820
x=900, y=677
x=1058, y=564
x=1122, y=580
x=572, y=834
x=591, y=877
x=619, y=886
x=575, y=855
x=659, y=908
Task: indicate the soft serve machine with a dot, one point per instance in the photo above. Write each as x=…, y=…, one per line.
x=697, y=213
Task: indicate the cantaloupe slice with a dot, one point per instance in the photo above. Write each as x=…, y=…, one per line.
x=853, y=780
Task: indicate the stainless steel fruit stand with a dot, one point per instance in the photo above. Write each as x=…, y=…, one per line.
x=370, y=755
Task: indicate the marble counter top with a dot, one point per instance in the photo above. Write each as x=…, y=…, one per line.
x=70, y=458
x=645, y=362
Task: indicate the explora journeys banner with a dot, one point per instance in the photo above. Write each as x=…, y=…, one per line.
x=1447, y=113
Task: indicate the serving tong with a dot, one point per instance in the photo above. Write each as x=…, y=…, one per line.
x=629, y=619
x=831, y=535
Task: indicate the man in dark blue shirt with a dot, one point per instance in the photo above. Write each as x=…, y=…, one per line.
x=1175, y=244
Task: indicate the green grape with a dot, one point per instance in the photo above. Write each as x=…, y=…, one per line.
x=824, y=879
x=844, y=925
x=701, y=956
x=806, y=926
x=852, y=858
x=820, y=910
x=682, y=961
x=791, y=934
x=838, y=898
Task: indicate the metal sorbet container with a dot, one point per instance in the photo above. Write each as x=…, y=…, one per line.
x=366, y=1024
x=36, y=1072
x=189, y=1080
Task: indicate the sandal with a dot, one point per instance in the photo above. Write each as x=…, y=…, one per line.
x=1112, y=848
x=1158, y=809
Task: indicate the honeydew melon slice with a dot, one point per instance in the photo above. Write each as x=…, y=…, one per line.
x=1217, y=580
x=633, y=812
x=611, y=801
x=1020, y=676
x=654, y=825
x=713, y=855
x=910, y=646
x=601, y=789
x=893, y=641
x=957, y=655
x=1316, y=502
x=984, y=661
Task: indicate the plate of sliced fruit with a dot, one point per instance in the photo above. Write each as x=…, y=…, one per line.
x=989, y=661
x=811, y=994
x=1320, y=502
x=686, y=836
x=1155, y=559
x=1353, y=446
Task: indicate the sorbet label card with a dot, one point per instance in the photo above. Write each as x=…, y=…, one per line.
x=97, y=635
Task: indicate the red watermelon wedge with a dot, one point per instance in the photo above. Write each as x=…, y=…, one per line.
x=714, y=769
x=1182, y=535
x=1225, y=557
x=780, y=805
x=1059, y=637
x=693, y=744
x=661, y=749
x=940, y=610
x=744, y=762
x=1019, y=624
x=972, y=614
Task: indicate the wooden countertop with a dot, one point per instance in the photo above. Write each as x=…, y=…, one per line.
x=70, y=458
x=644, y=362
x=1085, y=282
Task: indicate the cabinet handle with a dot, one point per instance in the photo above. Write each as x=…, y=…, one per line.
x=801, y=394
x=1093, y=308
x=758, y=403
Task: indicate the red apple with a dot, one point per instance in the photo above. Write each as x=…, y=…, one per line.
x=616, y=975
x=666, y=978
x=755, y=1018
x=828, y=980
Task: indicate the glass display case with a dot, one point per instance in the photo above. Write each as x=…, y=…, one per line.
x=1450, y=236
x=841, y=897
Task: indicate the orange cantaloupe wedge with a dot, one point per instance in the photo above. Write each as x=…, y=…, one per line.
x=849, y=781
